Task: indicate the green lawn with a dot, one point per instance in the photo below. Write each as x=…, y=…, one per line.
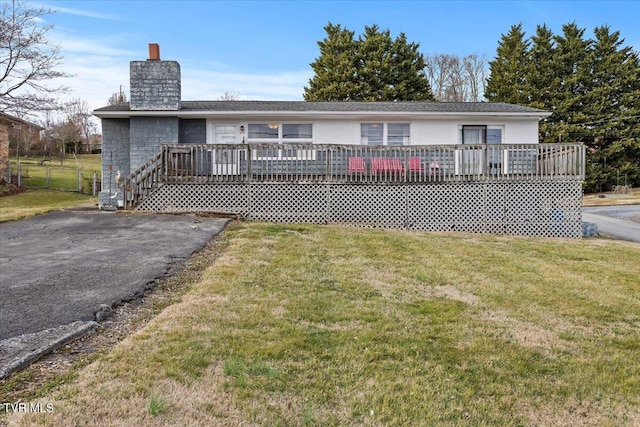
x=323, y=325
x=59, y=175
x=36, y=202
x=45, y=179
x=631, y=197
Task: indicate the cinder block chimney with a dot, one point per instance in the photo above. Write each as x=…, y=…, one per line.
x=155, y=85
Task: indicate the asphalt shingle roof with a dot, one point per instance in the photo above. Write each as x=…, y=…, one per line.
x=344, y=106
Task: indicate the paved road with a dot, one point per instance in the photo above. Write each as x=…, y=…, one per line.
x=618, y=222
x=59, y=268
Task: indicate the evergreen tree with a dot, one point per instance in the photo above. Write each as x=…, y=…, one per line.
x=571, y=83
x=408, y=75
x=540, y=79
x=507, y=80
x=592, y=87
x=614, y=110
x=375, y=61
x=335, y=68
x=373, y=68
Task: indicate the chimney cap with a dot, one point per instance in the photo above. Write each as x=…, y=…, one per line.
x=154, y=52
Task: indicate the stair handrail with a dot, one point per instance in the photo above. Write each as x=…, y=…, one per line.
x=141, y=182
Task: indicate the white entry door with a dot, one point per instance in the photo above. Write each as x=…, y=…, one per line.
x=472, y=158
x=225, y=160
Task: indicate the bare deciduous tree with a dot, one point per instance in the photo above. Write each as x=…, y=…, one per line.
x=23, y=138
x=476, y=72
x=456, y=79
x=47, y=142
x=118, y=98
x=28, y=60
x=229, y=96
x=436, y=68
x=78, y=116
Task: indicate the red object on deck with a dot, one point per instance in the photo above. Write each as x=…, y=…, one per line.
x=356, y=164
x=415, y=164
x=394, y=165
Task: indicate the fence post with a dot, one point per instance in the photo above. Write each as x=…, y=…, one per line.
x=79, y=181
x=94, y=184
x=48, y=178
x=19, y=170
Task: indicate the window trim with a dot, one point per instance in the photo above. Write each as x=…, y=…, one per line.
x=485, y=128
x=273, y=138
x=280, y=140
x=285, y=138
x=385, y=134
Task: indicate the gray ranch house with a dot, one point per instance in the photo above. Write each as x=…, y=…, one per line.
x=472, y=167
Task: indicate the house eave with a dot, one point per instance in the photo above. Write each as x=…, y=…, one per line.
x=323, y=115
x=4, y=117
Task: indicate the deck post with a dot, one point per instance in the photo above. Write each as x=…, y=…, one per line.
x=485, y=160
x=249, y=161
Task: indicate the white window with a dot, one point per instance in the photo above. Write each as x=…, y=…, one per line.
x=481, y=134
x=302, y=131
x=260, y=131
x=372, y=133
x=280, y=132
x=491, y=158
x=494, y=134
x=385, y=134
x=277, y=134
x=398, y=134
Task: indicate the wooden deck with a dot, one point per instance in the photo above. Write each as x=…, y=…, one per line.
x=334, y=164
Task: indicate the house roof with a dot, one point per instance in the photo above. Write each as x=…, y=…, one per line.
x=16, y=120
x=337, y=109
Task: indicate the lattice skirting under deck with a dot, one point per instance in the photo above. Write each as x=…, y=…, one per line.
x=551, y=208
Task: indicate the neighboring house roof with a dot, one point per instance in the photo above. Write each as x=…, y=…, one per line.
x=16, y=120
x=195, y=109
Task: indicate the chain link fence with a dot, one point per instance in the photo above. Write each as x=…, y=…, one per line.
x=36, y=174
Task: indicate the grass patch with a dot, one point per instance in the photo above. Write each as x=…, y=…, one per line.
x=249, y=373
x=157, y=406
x=632, y=197
x=312, y=325
x=59, y=175
x=36, y=202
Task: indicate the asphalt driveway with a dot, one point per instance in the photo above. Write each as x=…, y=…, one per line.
x=60, y=268
x=618, y=222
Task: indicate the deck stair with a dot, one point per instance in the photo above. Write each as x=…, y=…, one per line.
x=142, y=182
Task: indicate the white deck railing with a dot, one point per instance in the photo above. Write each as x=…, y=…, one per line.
x=374, y=164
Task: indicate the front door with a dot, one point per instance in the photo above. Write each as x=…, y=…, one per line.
x=495, y=153
x=472, y=157
x=225, y=160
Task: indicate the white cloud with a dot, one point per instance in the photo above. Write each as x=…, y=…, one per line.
x=211, y=84
x=100, y=67
x=94, y=47
x=79, y=12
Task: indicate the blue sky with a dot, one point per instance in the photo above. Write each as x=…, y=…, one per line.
x=262, y=49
